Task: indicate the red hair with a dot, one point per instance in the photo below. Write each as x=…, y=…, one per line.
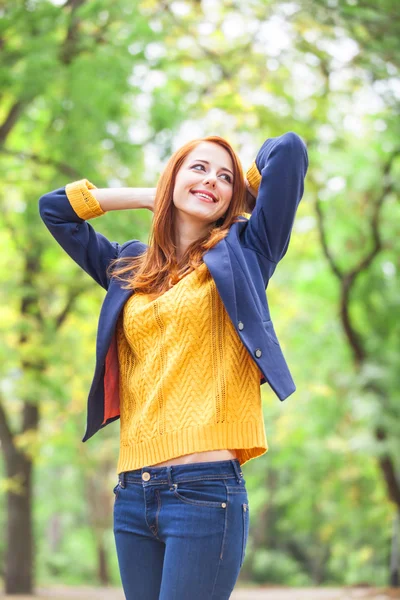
x=153, y=271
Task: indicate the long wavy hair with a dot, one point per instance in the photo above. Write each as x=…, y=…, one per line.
x=156, y=270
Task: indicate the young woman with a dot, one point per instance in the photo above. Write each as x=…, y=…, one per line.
x=185, y=339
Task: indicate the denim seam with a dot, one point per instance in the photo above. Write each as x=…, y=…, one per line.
x=222, y=548
x=225, y=525
x=199, y=503
x=245, y=520
x=185, y=480
x=145, y=516
x=158, y=512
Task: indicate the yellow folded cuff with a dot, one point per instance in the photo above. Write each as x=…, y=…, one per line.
x=253, y=176
x=82, y=201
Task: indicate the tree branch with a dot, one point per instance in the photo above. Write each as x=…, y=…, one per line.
x=69, y=48
x=324, y=243
x=347, y=279
x=72, y=296
x=350, y=278
x=60, y=166
x=388, y=469
x=375, y=234
x=215, y=57
x=10, y=120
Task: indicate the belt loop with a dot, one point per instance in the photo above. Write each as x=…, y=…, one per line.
x=237, y=469
x=122, y=479
x=169, y=475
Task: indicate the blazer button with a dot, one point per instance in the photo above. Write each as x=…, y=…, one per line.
x=258, y=352
x=240, y=325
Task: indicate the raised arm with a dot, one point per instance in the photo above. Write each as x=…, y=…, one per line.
x=277, y=175
x=65, y=211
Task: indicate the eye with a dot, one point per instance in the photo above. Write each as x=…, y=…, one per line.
x=223, y=174
x=198, y=165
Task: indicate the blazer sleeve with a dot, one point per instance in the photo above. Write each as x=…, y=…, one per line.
x=64, y=212
x=277, y=174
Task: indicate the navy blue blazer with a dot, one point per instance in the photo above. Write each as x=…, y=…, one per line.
x=241, y=266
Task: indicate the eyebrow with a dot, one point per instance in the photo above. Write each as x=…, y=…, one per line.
x=207, y=163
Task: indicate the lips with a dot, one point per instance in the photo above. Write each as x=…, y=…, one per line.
x=206, y=193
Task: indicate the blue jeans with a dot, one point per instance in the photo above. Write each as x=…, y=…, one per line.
x=181, y=531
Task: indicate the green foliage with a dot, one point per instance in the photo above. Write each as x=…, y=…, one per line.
x=107, y=91
x=276, y=567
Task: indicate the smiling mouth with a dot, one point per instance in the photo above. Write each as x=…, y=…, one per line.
x=204, y=198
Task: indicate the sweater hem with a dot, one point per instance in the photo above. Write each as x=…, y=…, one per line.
x=248, y=439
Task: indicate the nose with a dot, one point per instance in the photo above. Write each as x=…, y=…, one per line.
x=210, y=178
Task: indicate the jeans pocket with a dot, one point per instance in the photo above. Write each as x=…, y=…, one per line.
x=210, y=493
x=245, y=532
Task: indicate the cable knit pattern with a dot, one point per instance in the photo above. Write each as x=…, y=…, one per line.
x=187, y=383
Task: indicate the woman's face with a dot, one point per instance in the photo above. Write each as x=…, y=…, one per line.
x=208, y=169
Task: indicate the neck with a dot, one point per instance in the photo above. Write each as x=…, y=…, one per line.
x=187, y=230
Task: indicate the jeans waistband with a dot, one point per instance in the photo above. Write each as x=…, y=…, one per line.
x=189, y=472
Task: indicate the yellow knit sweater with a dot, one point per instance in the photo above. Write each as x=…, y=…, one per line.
x=187, y=383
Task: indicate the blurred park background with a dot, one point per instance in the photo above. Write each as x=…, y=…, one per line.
x=107, y=90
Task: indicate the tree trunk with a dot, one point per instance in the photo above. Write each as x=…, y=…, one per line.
x=394, y=555
x=19, y=557
x=103, y=575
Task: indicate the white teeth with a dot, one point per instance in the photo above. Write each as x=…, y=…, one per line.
x=204, y=196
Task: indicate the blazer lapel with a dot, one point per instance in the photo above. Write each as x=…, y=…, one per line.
x=112, y=305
